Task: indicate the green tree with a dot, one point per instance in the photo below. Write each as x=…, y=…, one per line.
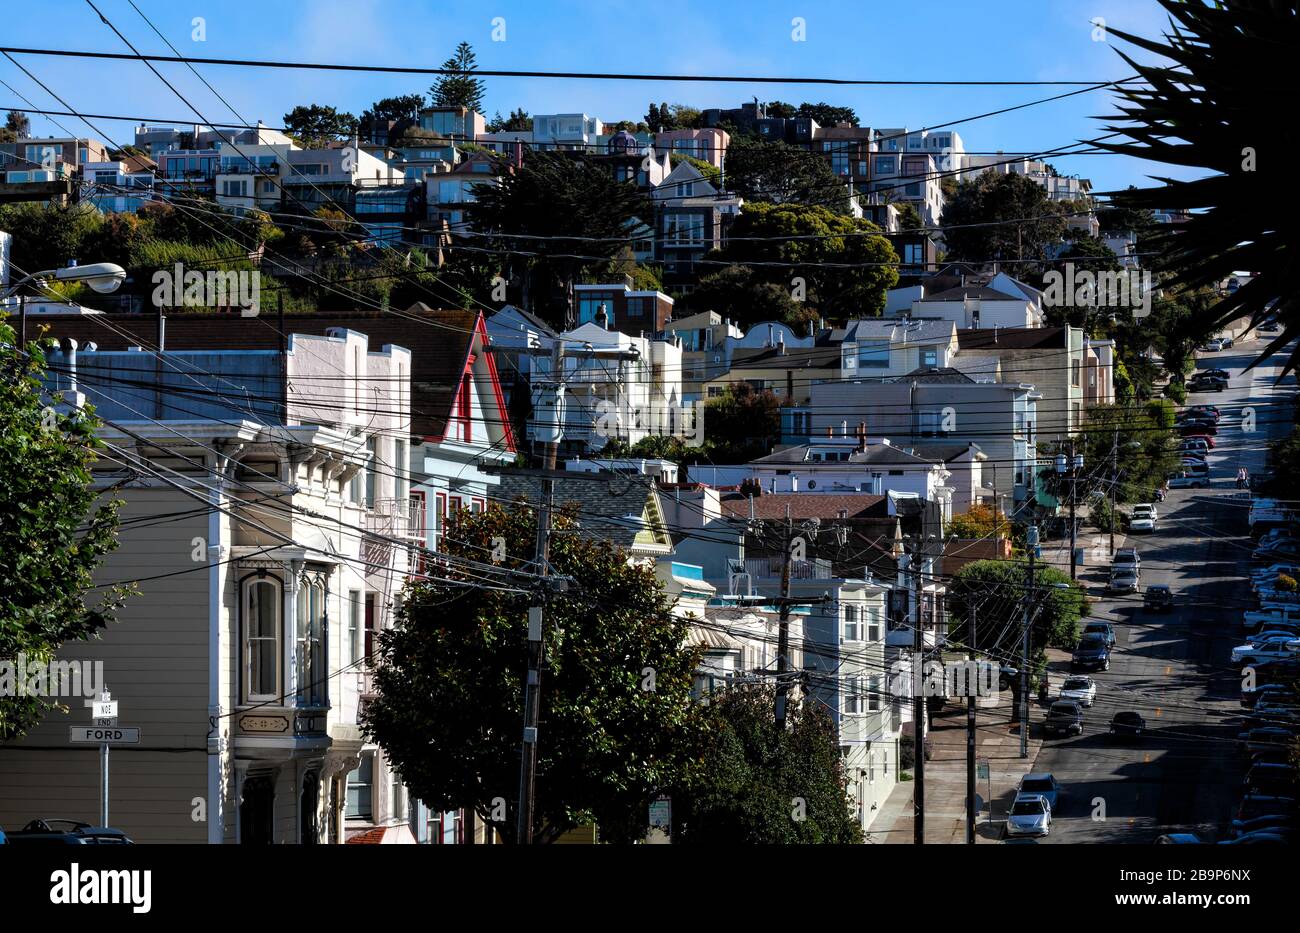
x=449, y=685
x=780, y=110
x=710, y=171
x=781, y=173
x=741, y=423
x=738, y=293
x=751, y=771
x=846, y=265
x=996, y=589
x=51, y=235
x=827, y=114
x=315, y=126
x=1001, y=217
x=403, y=107
x=556, y=195
x=1198, y=106
x=17, y=126
x=55, y=529
x=459, y=87
x=518, y=122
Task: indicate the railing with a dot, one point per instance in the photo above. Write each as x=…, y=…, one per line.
x=799, y=569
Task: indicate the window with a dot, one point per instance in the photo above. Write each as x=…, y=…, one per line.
x=401, y=470
x=312, y=676
x=873, y=623
x=1074, y=373
x=372, y=620
x=235, y=189
x=852, y=627
x=930, y=358
x=372, y=470
x=873, y=694
x=885, y=165
x=854, y=688
x=354, y=626
x=396, y=796
x=361, y=783
x=913, y=255
x=873, y=355
x=261, y=624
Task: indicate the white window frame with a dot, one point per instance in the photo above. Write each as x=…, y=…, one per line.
x=852, y=623
x=277, y=628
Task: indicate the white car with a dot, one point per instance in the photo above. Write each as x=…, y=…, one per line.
x=1272, y=649
x=1124, y=580
x=1030, y=815
x=1214, y=344
x=1082, y=690
x=1143, y=518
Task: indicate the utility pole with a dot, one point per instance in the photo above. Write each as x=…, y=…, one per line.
x=1031, y=542
x=536, y=648
x=783, y=626
x=1114, y=481
x=1074, y=496
x=970, y=736
x=918, y=697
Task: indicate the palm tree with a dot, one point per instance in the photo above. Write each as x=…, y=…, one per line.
x=1219, y=104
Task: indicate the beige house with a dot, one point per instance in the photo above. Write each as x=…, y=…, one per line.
x=267, y=532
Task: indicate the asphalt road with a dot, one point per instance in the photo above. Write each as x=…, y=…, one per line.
x=1183, y=774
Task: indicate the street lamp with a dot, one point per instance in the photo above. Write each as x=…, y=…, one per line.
x=103, y=277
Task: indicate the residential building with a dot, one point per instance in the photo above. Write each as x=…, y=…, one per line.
x=566, y=131
x=947, y=408
x=119, y=186
x=245, y=694
x=1053, y=359
x=450, y=191
x=885, y=347
x=635, y=312
x=692, y=217
x=703, y=337
x=707, y=145
x=452, y=123
x=787, y=372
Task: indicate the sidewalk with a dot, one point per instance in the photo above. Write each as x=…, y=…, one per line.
x=997, y=742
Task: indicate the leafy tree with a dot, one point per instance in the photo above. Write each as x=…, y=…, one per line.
x=17, y=126
x=315, y=126
x=707, y=169
x=778, y=110
x=51, y=234
x=403, y=107
x=449, y=704
x=1146, y=452
x=827, y=114
x=1199, y=107
x=654, y=118
x=518, y=122
x=980, y=521
x=644, y=278
x=845, y=263
x=1018, y=220
x=909, y=218
x=996, y=590
x=1115, y=218
x=781, y=173
x=741, y=423
x=751, y=770
x=459, y=88
x=557, y=195
x=54, y=528
x=736, y=292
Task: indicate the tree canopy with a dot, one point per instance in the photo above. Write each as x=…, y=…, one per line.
x=1001, y=217
x=618, y=722
x=459, y=88
x=781, y=173
x=315, y=126
x=846, y=264
x=55, y=529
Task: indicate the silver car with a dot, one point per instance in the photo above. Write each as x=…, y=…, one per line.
x=1030, y=815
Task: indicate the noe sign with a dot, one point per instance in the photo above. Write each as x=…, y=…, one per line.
x=99, y=735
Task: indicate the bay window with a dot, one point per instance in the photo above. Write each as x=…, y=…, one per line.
x=310, y=668
x=261, y=636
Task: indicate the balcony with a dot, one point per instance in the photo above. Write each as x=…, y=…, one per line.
x=767, y=567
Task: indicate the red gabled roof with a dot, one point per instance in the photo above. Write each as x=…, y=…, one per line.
x=439, y=340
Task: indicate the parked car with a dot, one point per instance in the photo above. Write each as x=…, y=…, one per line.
x=1201, y=427
x=1092, y=653
x=1197, y=444
x=1253, y=805
x=1104, y=629
x=1187, y=481
x=1126, y=555
x=1064, y=717
x=1082, y=690
x=1209, y=384
x=1211, y=410
x=1213, y=345
x=1205, y=436
x=1196, y=467
x=1270, y=327
x=1030, y=816
x=1042, y=783
x=1267, y=778
x=1143, y=517
x=1123, y=580
x=1251, y=696
x=1127, y=723
x=1266, y=738
x=68, y=832
x=1268, y=650
x=1158, y=598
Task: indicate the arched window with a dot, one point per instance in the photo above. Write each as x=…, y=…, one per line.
x=261, y=636
x=311, y=674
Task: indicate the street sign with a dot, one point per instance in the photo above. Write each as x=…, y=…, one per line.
x=982, y=770
x=104, y=709
x=101, y=735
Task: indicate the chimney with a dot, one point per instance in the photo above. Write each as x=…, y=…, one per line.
x=780, y=343
x=862, y=436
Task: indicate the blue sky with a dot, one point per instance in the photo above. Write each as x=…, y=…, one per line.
x=932, y=39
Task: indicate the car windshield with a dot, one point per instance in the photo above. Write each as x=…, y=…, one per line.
x=1064, y=709
x=1076, y=683
x=1095, y=630
x=1089, y=642
x=1036, y=784
x=1126, y=717
x=1027, y=807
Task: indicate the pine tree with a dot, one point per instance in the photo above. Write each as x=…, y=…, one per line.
x=458, y=88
